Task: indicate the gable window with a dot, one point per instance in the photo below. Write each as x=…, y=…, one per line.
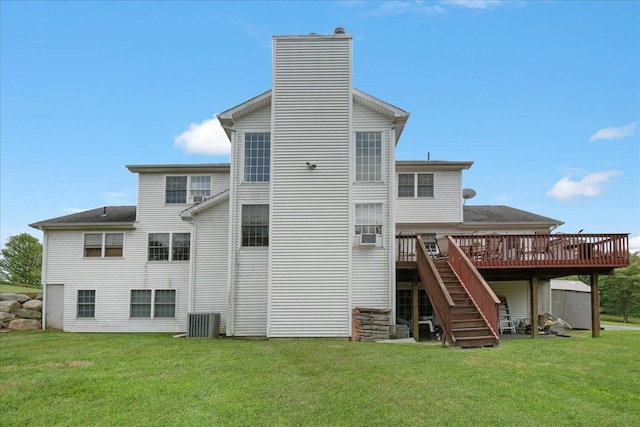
x=163, y=302
x=176, y=189
x=406, y=185
x=169, y=246
x=368, y=156
x=86, y=303
x=257, y=155
x=97, y=245
x=425, y=185
x=368, y=218
x=255, y=225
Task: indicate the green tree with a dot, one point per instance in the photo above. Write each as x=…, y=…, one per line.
x=21, y=261
x=620, y=292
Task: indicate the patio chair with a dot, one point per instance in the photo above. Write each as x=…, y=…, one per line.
x=540, y=247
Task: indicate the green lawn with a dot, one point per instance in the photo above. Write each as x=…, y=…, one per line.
x=618, y=319
x=4, y=288
x=55, y=378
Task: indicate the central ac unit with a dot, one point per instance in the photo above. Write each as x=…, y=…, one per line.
x=203, y=325
x=368, y=239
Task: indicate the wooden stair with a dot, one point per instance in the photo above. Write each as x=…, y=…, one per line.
x=469, y=328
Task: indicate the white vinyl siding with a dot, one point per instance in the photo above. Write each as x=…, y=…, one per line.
x=444, y=206
x=517, y=295
x=310, y=209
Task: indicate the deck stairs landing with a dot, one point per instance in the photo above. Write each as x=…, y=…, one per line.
x=469, y=327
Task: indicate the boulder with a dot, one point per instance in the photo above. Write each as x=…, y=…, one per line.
x=6, y=317
x=33, y=304
x=14, y=297
x=19, y=325
x=29, y=314
x=39, y=296
x=9, y=306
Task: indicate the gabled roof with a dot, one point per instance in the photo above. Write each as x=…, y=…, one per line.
x=194, y=210
x=121, y=217
x=500, y=214
x=399, y=116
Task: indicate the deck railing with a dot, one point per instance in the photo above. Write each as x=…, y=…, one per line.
x=436, y=289
x=545, y=250
x=483, y=297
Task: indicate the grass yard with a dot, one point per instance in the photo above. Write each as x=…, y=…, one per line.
x=5, y=288
x=55, y=378
x=618, y=319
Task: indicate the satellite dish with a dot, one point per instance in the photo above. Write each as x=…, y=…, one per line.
x=468, y=193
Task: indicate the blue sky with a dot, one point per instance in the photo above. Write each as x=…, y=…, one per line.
x=543, y=96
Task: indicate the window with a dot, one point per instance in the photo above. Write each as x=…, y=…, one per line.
x=257, y=147
x=176, y=189
x=181, y=246
x=140, y=303
x=425, y=185
x=86, y=303
x=97, y=245
x=169, y=247
x=200, y=186
x=369, y=218
x=406, y=185
x=368, y=156
x=163, y=302
x=255, y=225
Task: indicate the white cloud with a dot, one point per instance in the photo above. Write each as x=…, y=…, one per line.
x=206, y=137
x=590, y=186
x=615, y=132
x=634, y=243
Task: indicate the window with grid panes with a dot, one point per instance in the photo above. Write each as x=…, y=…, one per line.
x=181, y=245
x=255, y=225
x=176, y=189
x=368, y=156
x=368, y=218
x=164, y=304
x=140, y=303
x=425, y=185
x=406, y=185
x=113, y=244
x=200, y=186
x=86, y=303
x=159, y=246
x=257, y=155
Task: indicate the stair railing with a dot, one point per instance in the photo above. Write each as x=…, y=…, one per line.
x=436, y=290
x=482, y=295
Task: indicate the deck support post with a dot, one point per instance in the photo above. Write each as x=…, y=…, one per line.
x=533, y=287
x=595, y=306
x=415, y=307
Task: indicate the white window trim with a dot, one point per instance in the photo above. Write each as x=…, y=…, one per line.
x=170, y=247
x=153, y=305
x=415, y=185
x=189, y=198
x=243, y=162
x=95, y=305
x=384, y=154
x=104, y=245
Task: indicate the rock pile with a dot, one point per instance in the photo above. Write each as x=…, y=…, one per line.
x=19, y=312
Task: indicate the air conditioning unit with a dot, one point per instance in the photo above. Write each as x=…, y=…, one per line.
x=198, y=199
x=203, y=325
x=368, y=239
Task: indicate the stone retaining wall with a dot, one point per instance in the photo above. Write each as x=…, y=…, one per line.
x=20, y=312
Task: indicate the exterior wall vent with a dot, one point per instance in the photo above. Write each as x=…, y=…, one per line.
x=339, y=30
x=203, y=325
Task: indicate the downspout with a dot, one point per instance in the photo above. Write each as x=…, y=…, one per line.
x=392, y=226
x=192, y=267
x=43, y=280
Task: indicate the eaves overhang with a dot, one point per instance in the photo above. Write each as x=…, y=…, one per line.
x=205, y=168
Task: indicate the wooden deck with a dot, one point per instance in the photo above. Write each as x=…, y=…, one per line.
x=543, y=255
